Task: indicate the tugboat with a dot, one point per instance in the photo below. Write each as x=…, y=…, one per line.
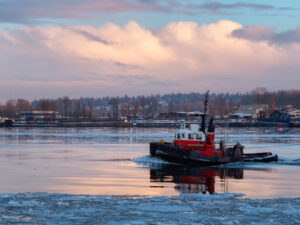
x=193, y=144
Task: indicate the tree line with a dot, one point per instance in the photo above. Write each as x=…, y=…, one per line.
x=150, y=106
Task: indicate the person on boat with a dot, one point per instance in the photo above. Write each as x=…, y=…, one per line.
x=221, y=145
x=210, y=136
x=211, y=126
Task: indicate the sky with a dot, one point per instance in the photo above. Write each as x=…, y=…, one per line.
x=76, y=48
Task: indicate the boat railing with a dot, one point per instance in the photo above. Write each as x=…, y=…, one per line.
x=217, y=146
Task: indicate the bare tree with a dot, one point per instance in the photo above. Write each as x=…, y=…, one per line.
x=10, y=108
x=143, y=104
x=171, y=106
x=271, y=104
x=114, y=102
x=185, y=107
x=23, y=105
x=260, y=95
x=136, y=109
x=221, y=107
x=44, y=104
x=66, y=106
x=77, y=108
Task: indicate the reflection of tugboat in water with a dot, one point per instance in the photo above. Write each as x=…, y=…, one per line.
x=194, y=145
x=194, y=179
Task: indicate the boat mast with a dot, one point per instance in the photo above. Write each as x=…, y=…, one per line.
x=204, y=115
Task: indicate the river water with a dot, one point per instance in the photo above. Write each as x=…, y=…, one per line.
x=114, y=162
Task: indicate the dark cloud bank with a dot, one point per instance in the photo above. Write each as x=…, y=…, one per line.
x=261, y=33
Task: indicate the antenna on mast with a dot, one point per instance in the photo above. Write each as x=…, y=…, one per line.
x=206, y=102
x=204, y=115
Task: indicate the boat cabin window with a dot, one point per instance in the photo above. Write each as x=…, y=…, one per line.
x=178, y=136
x=182, y=135
x=198, y=136
x=191, y=136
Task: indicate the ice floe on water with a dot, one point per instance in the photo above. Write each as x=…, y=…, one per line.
x=229, y=208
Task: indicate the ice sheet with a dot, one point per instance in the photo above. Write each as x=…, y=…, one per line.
x=229, y=208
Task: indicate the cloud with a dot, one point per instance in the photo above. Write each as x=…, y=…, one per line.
x=36, y=11
x=254, y=33
x=31, y=11
x=261, y=33
x=216, y=6
x=130, y=59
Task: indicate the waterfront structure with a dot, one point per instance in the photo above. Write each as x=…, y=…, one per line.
x=180, y=115
x=39, y=115
x=251, y=111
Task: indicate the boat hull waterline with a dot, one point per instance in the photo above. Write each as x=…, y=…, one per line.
x=175, y=154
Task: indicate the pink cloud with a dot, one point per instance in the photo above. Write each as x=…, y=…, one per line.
x=112, y=59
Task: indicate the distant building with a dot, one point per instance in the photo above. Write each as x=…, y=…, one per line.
x=288, y=108
x=251, y=111
x=282, y=116
x=180, y=115
x=39, y=115
x=295, y=114
x=241, y=116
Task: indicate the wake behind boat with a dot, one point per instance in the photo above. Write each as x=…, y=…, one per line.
x=193, y=144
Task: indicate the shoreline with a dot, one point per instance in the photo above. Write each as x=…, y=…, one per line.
x=121, y=124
